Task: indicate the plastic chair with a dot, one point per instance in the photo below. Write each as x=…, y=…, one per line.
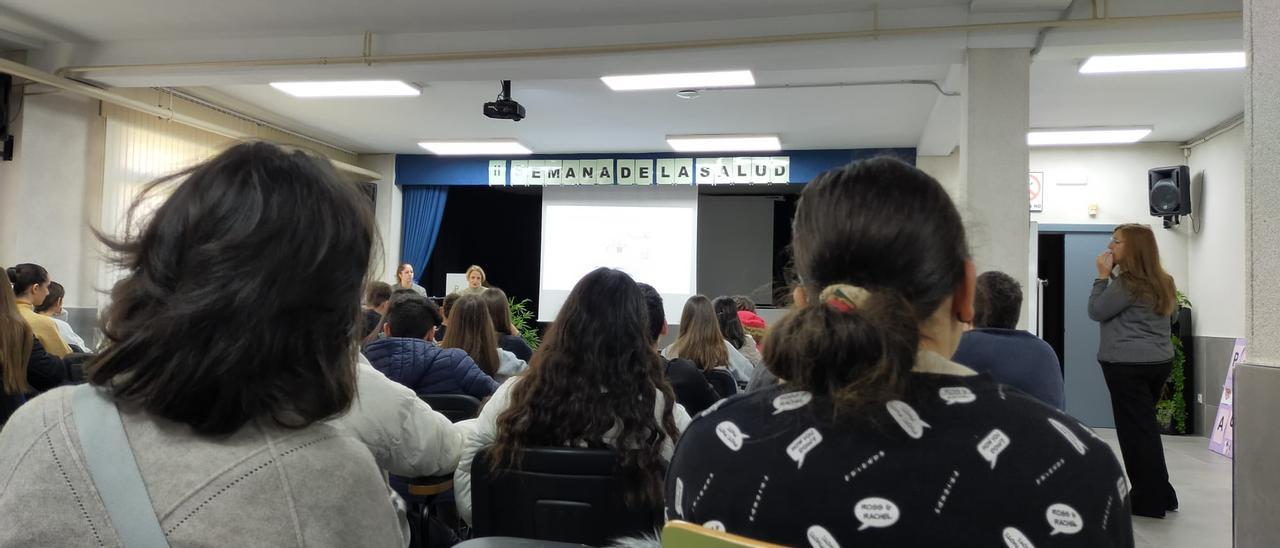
x=682, y=534
x=722, y=381
x=557, y=494
x=457, y=407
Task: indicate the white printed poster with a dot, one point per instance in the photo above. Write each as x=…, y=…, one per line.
x=1221, y=438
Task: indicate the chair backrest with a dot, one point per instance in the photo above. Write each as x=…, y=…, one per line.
x=682, y=534
x=722, y=381
x=558, y=494
x=457, y=407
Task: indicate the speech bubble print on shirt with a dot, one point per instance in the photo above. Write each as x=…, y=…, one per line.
x=714, y=525
x=730, y=435
x=907, y=418
x=876, y=512
x=679, y=497
x=819, y=537
x=1013, y=538
x=991, y=446
x=803, y=443
x=1070, y=436
x=956, y=394
x=791, y=401
x=1063, y=519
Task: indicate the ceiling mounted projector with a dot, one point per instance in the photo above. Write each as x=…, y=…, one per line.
x=505, y=108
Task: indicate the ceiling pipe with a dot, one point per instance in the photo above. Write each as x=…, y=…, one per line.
x=508, y=54
x=932, y=83
x=34, y=75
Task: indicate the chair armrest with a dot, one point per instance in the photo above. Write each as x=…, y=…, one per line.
x=426, y=486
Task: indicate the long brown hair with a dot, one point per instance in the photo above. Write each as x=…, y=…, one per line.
x=15, y=344
x=890, y=229
x=499, y=309
x=700, y=339
x=596, y=371
x=471, y=330
x=1141, y=272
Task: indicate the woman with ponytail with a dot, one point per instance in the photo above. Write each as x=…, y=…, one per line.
x=1133, y=299
x=872, y=421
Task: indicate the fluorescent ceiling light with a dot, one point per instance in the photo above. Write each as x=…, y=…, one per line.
x=682, y=80
x=361, y=88
x=496, y=147
x=1097, y=136
x=724, y=143
x=1103, y=64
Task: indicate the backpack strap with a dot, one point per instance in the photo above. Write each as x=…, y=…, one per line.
x=114, y=470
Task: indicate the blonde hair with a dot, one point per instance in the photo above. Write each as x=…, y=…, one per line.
x=1141, y=272
x=476, y=268
x=16, y=342
x=700, y=339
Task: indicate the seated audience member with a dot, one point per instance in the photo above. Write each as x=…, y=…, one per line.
x=732, y=329
x=595, y=380
x=222, y=376
x=471, y=330
x=876, y=438
x=31, y=286
x=691, y=387
x=408, y=356
x=446, y=305
x=701, y=342
x=25, y=367
x=376, y=299
x=752, y=323
x=52, y=308
x=996, y=346
x=404, y=280
x=509, y=338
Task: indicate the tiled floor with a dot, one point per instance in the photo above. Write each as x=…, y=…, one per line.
x=1203, y=481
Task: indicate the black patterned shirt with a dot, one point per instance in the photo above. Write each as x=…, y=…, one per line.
x=961, y=461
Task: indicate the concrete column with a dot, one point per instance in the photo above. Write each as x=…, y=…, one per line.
x=992, y=193
x=1257, y=394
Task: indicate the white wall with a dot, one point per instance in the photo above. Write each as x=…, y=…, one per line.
x=1117, y=182
x=946, y=169
x=52, y=190
x=388, y=212
x=1217, y=255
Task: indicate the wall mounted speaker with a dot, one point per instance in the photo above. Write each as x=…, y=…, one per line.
x=1169, y=191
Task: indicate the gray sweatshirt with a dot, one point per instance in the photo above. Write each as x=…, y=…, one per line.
x=1132, y=331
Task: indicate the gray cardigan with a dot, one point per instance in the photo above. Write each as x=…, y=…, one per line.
x=1131, y=330
x=261, y=486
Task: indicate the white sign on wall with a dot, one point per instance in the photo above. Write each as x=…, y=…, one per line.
x=1035, y=183
x=497, y=172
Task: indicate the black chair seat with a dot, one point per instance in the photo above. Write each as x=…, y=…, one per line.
x=456, y=407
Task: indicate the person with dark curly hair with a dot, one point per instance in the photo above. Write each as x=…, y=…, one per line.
x=997, y=347
x=596, y=381
x=230, y=341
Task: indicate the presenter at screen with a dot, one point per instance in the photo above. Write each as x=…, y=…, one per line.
x=404, y=280
x=476, y=280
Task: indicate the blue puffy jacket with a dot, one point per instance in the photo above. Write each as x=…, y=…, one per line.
x=428, y=369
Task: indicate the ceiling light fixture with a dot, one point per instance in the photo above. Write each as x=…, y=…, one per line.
x=724, y=143
x=681, y=80
x=1085, y=136
x=358, y=88
x=1109, y=64
x=494, y=147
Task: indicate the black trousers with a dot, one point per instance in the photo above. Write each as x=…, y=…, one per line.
x=1135, y=388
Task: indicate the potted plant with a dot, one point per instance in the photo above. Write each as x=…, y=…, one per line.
x=522, y=318
x=1172, y=414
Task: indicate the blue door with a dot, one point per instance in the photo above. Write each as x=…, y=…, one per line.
x=1086, y=390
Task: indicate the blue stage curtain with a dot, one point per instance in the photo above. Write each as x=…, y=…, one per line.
x=423, y=213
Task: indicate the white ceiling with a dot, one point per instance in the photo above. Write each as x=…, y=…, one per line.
x=569, y=108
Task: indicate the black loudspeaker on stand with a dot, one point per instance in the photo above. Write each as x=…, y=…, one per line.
x=1169, y=193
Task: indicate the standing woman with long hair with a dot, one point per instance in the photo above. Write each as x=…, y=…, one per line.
x=404, y=280
x=1133, y=301
x=701, y=342
x=471, y=329
x=595, y=382
x=876, y=438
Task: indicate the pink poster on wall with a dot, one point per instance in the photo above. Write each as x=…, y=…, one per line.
x=1220, y=440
